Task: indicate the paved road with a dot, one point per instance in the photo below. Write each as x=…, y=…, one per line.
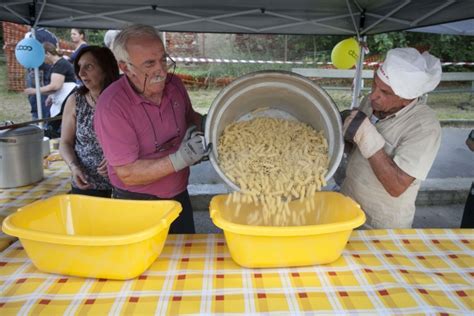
x=454, y=159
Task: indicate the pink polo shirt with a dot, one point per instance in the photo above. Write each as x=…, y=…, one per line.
x=126, y=125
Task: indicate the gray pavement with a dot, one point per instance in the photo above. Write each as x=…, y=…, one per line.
x=438, y=216
x=440, y=202
x=454, y=159
x=452, y=172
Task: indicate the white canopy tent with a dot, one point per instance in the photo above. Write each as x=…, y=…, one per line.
x=324, y=17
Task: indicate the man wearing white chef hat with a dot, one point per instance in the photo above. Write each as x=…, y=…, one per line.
x=397, y=137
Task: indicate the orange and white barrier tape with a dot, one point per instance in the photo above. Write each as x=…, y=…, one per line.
x=250, y=61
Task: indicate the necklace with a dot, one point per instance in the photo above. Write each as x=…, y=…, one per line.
x=92, y=99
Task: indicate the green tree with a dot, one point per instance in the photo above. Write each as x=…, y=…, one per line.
x=449, y=48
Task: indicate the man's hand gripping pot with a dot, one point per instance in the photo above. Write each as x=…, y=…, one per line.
x=193, y=149
x=358, y=129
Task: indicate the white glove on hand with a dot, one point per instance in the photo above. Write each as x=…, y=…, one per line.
x=192, y=149
x=367, y=138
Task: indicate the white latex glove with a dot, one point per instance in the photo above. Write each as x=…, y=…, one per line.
x=367, y=138
x=192, y=150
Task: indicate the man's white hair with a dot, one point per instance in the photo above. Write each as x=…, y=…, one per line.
x=133, y=31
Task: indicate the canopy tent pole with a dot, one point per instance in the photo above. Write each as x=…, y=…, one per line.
x=356, y=93
x=35, y=18
x=39, y=108
x=360, y=62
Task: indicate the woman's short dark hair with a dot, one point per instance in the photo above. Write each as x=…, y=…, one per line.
x=105, y=60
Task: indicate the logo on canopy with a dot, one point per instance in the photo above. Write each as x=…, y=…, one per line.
x=30, y=53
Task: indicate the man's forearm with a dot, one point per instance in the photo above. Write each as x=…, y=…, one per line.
x=143, y=172
x=394, y=180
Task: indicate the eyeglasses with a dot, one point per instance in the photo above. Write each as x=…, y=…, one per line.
x=170, y=143
x=169, y=63
x=166, y=63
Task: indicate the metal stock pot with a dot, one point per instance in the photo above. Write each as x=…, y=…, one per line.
x=21, y=156
x=286, y=95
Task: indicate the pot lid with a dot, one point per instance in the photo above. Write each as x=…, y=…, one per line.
x=21, y=131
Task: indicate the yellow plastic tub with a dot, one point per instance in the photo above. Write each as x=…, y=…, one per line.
x=93, y=237
x=321, y=240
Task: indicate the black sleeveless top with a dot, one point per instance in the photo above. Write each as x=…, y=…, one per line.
x=86, y=147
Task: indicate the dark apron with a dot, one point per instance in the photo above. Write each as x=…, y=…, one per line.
x=91, y=192
x=184, y=224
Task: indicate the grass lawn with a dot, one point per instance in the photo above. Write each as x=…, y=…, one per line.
x=14, y=106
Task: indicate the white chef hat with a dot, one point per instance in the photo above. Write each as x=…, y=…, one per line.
x=409, y=73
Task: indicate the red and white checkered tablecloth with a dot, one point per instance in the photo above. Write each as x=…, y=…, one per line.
x=405, y=272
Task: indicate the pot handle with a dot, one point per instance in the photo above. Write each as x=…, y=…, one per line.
x=8, y=140
x=11, y=124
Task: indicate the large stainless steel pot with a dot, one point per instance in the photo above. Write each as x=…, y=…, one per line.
x=21, y=156
x=287, y=95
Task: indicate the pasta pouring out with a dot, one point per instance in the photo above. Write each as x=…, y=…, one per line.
x=274, y=161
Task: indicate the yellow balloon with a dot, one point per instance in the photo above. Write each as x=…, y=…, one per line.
x=345, y=54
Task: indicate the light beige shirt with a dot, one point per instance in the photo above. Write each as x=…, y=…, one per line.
x=412, y=139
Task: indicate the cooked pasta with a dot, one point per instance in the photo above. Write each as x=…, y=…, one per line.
x=273, y=161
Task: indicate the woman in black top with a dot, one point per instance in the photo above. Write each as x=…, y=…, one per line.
x=96, y=67
x=62, y=79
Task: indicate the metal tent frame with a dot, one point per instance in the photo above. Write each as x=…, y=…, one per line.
x=331, y=17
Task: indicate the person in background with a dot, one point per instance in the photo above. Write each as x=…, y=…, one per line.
x=96, y=68
x=109, y=37
x=467, y=220
x=62, y=79
x=78, y=37
x=42, y=35
x=147, y=127
x=396, y=138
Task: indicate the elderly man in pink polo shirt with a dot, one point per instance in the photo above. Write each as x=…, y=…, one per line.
x=147, y=127
x=397, y=137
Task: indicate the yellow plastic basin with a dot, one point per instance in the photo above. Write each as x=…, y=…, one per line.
x=93, y=237
x=321, y=240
